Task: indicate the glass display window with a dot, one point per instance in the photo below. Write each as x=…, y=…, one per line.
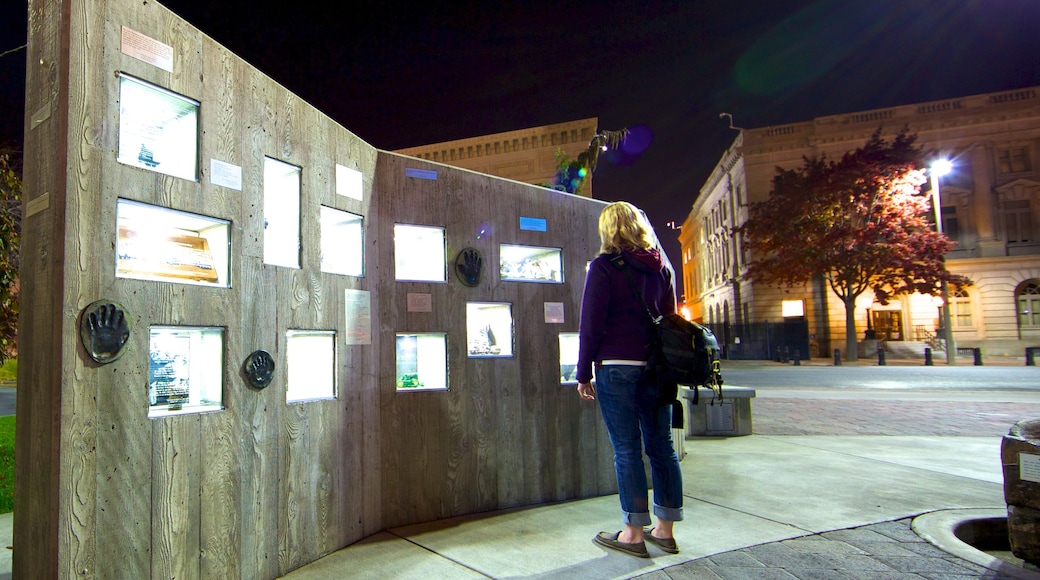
x=419, y=253
x=568, y=357
x=489, y=329
x=349, y=182
x=310, y=365
x=158, y=129
x=342, y=242
x=530, y=264
x=157, y=243
x=422, y=361
x=281, y=213
x=185, y=371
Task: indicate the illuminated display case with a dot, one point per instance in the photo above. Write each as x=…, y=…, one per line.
x=568, y=357
x=419, y=253
x=281, y=213
x=489, y=329
x=422, y=361
x=349, y=182
x=185, y=371
x=157, y=243
x=310, y=365
x=530, y=264
x=342, y=242
x=158, y=129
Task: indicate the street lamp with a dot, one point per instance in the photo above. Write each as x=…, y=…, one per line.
x=939, y=168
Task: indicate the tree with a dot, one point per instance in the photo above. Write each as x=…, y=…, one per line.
x=862, y=223
x=10, y=236
x=571, y=173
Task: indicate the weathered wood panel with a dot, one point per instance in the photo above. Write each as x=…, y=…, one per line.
x=262, y=486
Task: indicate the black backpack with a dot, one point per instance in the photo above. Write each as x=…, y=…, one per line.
x=683, y=352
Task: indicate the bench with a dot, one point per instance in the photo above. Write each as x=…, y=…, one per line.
x=731, y=417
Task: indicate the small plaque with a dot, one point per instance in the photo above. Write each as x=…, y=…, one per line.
x=420, y=302
x=1029, y=467
x=358, y=307
x=720, y=418
x=136, y=45
x=554, y=312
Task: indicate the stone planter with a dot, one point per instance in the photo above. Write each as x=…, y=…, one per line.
x=1020, y=457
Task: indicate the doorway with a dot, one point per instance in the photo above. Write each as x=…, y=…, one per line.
x=888, y=324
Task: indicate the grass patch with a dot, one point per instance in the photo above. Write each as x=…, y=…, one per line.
x=9, y=370
x=6, y=464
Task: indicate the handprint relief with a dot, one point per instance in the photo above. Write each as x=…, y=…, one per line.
x=104, y=330
x=468, y=266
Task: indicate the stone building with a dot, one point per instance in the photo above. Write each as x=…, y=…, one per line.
x=990, y=205
x=525, y=155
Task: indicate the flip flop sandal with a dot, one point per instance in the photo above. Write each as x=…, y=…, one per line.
x=637, y=549
x=666, y=544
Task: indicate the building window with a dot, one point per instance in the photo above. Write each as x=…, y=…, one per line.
x=1029, y=306
x=1014, y=160
x=1018, y=221
x=951, y=227
x=960, y=304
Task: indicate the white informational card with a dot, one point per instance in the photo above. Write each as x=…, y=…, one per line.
x=358, y=306
x=554, y=312
x=225, y=174
x=1029, y=467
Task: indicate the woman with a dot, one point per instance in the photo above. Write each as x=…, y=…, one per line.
x=615, y=332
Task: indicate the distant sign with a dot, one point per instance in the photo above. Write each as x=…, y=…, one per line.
x=1029, y=467
x=420, y=173
x=532, y=224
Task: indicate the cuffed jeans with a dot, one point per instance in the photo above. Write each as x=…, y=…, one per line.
x=634, y=422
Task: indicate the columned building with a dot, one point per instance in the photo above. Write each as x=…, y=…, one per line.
x=526, y=155
x=990, y=206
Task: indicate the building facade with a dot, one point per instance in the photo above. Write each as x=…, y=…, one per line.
x=990, y=206
x=525, y=155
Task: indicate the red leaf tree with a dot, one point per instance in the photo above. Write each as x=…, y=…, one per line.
x=862, y=223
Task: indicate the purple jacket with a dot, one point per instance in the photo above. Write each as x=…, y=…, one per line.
x=614, y=323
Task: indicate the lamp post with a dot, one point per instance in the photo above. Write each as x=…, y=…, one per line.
x=938, y=169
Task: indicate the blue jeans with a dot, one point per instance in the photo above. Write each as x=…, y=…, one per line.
x=625, y=399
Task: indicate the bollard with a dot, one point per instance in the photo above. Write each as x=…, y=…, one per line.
x=881, y=357
x=978, y=356
x=837, y=357
x=1030, y=356
x=928, y=356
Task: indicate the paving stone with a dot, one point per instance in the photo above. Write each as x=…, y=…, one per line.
x=823, y=547
x=753, y=574
x=696, y=572
x=898, y=530
x=889, y=548
x=919, y=564
x=777, y=555
x=856, y=535
x=865, y=563
x=817, y=574
x=737, y=558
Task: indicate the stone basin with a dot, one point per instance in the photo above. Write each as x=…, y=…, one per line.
x=979, y=536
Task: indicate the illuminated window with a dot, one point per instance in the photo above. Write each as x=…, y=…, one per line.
x=419, y=253
x=156, y=243
x=350, y=183
x=960, y=304
x=789, y=308
x=568, y=356
x=185, y=371
x=1029, y=306
x=422, y=361
x=158, y=129
x=530, y=264
x=281, y=214
x=310, y=365
x=489, y=329
x=342, y=242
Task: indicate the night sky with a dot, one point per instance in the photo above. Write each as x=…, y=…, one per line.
x=400, y=75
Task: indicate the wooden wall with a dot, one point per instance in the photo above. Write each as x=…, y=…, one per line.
x=263, y=487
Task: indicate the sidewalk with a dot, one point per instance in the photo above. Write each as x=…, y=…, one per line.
x=756, y=507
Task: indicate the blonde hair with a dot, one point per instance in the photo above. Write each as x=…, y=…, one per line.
x=623, y=225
